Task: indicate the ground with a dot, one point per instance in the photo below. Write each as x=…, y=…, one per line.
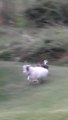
x=19, y=100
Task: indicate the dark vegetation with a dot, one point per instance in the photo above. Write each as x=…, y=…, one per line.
x=50, y=50
x=49, y=12
x=6, y=55
x=39, y=15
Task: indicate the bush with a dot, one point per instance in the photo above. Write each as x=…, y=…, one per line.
x=20, y=22
x=49, y=12
x=49, y=50
x=6, y=55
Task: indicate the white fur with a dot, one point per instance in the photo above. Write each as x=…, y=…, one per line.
x=35, y=73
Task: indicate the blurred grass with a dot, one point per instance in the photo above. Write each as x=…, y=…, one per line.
x=37, y=116
x=12, y=39
x=11, y=34
x=19, y=100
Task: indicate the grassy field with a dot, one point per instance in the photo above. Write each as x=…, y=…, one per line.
x=20, y=101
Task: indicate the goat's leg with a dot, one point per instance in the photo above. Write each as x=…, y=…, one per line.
x=28, y=78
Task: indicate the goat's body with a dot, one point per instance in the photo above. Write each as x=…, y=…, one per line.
x=36, y=73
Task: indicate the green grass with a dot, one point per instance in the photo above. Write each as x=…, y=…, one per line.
x=21, y=101
x=37, y=116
